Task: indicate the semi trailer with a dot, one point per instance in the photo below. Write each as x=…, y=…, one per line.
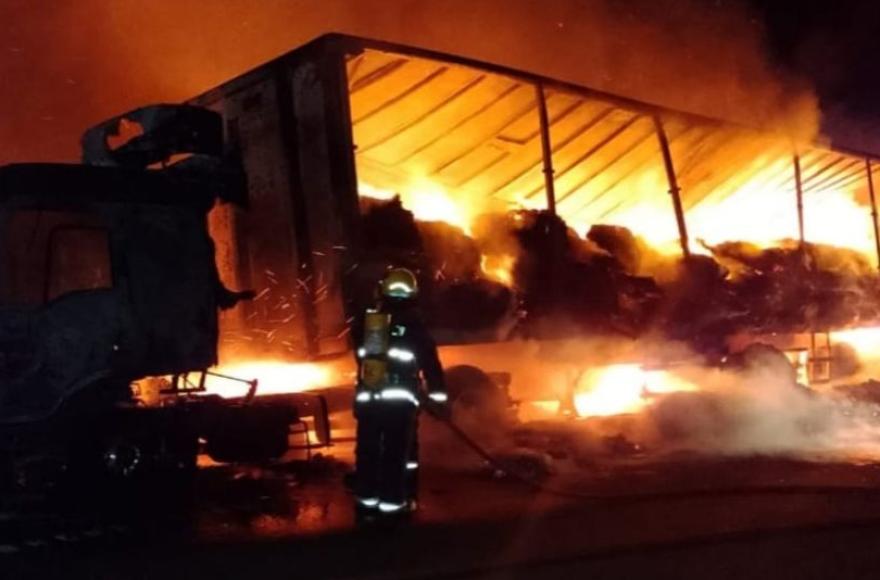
x=273, y=181
x=332, y=127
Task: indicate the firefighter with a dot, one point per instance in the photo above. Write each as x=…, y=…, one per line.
x=395, y=353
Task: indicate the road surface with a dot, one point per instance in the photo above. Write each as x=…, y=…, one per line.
x=675, y=516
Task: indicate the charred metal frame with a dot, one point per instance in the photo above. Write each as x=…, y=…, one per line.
x=674, y=189
x=181, y=385
x=338, y=44
x=546, y=148
x=799, y=192
x=870, y=171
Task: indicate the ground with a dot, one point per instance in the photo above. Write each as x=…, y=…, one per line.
x=626, y=516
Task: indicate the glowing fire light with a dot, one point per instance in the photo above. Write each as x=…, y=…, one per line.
x=865, y=341
x=498, y=268
x=622, y=388
x=428, y=201
x=612, y=390
x=274, y=377
x=754, y=214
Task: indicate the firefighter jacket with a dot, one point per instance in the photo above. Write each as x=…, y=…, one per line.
x=395, y=352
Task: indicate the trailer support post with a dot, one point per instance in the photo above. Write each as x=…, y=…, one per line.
x=546, y=148
x=799, y=191
x=674, y=189
x=870, y=171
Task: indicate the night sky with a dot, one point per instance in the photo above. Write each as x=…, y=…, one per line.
x=68, y=64
x=836, y=45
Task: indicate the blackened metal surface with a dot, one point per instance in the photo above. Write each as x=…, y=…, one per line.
x=163, y=130
x=873, y=208
x=159, y=314
x=171, y=289
x=674, y=189
x=327, y=186
x=799, y=192
x=546, y=149
x=67, y=185
x=265, y=237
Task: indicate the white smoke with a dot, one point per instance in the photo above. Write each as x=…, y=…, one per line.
x=759, y=411
x=753, y=408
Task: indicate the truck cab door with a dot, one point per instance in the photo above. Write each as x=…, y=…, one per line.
x=58, y=310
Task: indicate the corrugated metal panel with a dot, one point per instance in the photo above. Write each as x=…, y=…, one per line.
x=476, y=134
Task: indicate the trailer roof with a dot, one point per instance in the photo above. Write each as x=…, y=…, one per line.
x=475, y=127
x=351, y=44
x=472, y=126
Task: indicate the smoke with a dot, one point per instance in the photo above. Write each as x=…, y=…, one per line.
x=759, y=410
x=750, y=404
x=85, y=60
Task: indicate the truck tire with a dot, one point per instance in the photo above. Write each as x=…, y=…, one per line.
x=472, y=390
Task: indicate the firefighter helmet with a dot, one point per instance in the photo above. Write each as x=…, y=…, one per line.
x=399, y=283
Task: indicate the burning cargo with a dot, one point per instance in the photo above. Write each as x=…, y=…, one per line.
x=531, y=209
x=534, y=212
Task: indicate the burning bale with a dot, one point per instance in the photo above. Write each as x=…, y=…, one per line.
x=697, y=306
x=554, y=274
x=799, y=287
x=564, y=277
x=635, y=255
x=613, y=281
x=390, y=232
x=455, y=292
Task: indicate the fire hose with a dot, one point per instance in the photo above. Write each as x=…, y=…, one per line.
x=483, y=453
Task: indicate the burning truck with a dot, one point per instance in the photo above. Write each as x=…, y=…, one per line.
x=556, y=231
x=553, y=227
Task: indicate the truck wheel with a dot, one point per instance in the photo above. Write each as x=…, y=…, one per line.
x=759, y=356
x=122, y=459
x=472, y=390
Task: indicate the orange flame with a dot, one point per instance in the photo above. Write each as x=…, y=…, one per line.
x=623, y=388
x=430, y=201
x=498, y=268
x=274, y=377
x=865, y=341
x=755, y=211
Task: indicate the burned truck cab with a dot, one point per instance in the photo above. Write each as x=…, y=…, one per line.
x=107, y=275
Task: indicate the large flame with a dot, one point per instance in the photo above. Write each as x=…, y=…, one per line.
x=273, y=377
x=865, y=341
x=755, y=213
x=429, y=201
x=623, y=388
x=752, y=212
x=498, y=268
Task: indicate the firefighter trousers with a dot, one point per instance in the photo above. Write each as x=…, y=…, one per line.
x=386, y=457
